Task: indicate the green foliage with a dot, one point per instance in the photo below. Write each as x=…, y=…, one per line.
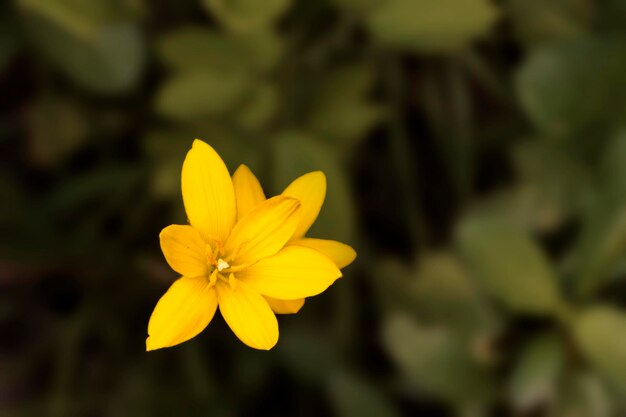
x=603, y=236
x=200, y=48
x=537, y=21
x=340, y=109
x=601, y=334
x=537, y=374
x=584, y=394
x=353, y=397
x=444, y=292
x=246, y=15
x=520, y=276
x=196, y=95
x=557, y=183
x=437, y=360
x=560, y=88
x=98, y=45
x=430, y=25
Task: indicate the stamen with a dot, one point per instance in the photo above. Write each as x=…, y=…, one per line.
x=234, y=254
x=213, y=278
x=222, y=264
x=209, y=254
x=232, y=281
x=219, y=246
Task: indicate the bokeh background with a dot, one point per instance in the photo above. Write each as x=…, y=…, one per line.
x=476, y=157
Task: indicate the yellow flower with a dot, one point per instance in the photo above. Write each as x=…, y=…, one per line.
x=310, y=190
x=238, y=249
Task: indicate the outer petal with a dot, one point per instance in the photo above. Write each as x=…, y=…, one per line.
x=248, y=191
x=340, y=253
x=294, y=272
x=184, y=250
x=208, y=192
x=248, y=315
x=285, y=306
x=310, y=189
x=263, y=231
x=183, y=312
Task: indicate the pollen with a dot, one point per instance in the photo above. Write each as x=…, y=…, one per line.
x=222, y=264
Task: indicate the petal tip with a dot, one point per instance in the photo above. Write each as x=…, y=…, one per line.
x=243, y=167
x=350, y=258
x=198, y=142
x=317, y=176
x=270, y=345
x=150, y=346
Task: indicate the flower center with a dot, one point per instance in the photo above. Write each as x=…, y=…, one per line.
x=218, y=266
x=222, y=264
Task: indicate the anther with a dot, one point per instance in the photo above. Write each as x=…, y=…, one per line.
x=213, y=278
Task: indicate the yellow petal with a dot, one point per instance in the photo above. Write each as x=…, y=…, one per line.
x=340, y=253
x=208, y=192
x=184, y=250
x=294, y=272
x=248, y=315
x=310, y=189
x=248, y=191
x=285, y=306
x=263, y=231
x=183, y=312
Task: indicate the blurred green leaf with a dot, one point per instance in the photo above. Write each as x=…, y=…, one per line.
x=104, y=54
x=509, y=265
x=540, y=21
x=536, y=375
x=246, y=15
x=434, y=359
x=584, y=395
x=358, y=6
x=562, y=90
x=430, y=25
x=296, y=154
x=259, y=107
x=600, y=332
x=445, y=293
x=353, y=396
x=264, y=48
x=83, y=16
x=194, y=95
x=394, y=284
x=199, y=48
x=520, y=205
x=57, y=127
x=558, y=183
x=602, y=241
x=340, y=109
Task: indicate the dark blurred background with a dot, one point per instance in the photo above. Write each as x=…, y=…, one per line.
x=476, y=157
